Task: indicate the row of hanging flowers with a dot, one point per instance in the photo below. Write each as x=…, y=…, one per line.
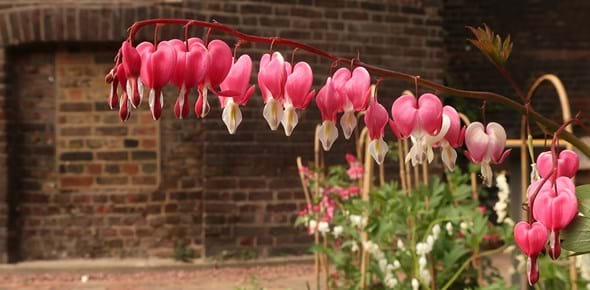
x=286, y=88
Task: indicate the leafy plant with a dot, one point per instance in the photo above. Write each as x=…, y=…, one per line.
x=183, y=253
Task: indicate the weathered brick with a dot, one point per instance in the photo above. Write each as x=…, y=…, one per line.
x=76, y=156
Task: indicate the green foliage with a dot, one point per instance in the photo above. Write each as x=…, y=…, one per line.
x=491, y=44
x=183, y=253
x=395, y=218
x=576, y=237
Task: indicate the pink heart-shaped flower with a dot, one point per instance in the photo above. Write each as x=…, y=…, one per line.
x=556, y=210
x=568, y=163
x=529, y=238
x=410, y=114
x=272, y=75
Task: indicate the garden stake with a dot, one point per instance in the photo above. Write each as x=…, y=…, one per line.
x=368, y=177
x=402, y=171
x=303, y=183
x=316, y=151
x=407, y=166
x=416, y=177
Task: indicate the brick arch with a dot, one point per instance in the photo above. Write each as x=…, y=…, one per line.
x=81, y=23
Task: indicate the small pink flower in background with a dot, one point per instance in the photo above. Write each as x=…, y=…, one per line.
x=568, y=163
x=328, y=207
x=124, y=102
x=355, y=168
x=237, y=80
x=132, y=64
x=220, y=61
x=453, y=138
x=355, y=87
x=190, y=70
x=531, y=240
x=376, y=118
x=346, y=193
x=297, y=94
x=157, y=67
x=272, y=75
x=555, y=209
x=422, y=120
x=307, y=173
x=329, y=101
x=485, y=146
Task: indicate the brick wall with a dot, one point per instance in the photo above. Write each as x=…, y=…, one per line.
x=549, y=37
x=83, y=184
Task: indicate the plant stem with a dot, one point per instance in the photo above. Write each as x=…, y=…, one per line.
x=382, y=72
x=466, y=263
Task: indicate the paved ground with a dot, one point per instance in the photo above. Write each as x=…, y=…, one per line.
x=139, y=274
x=152, y=275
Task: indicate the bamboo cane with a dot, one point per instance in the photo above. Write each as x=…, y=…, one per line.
x=402, y=167
x=316, y=151
x=367, y=178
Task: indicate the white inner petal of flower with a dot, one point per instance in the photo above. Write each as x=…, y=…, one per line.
x=272, y=113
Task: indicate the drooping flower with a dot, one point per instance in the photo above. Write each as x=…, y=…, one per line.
x=132, y=64
x=355, y=87
x=329, y=101
x=297, y=94
x=568, y=163
x=531, y=239
x=114, y=81
x=375, y=119
x=190, y=70
x=453, y=138
x=220, y=62
x=355, y=168
x=485, y=147
x=272, y=76
x=157, y=67
x=423, y=121
x=237, y=80
x=124, y=102
x=555, y=206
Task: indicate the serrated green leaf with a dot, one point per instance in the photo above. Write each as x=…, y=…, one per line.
x=576, y=237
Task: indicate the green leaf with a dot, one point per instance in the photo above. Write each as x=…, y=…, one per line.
x=583, y=194
x=576, y=237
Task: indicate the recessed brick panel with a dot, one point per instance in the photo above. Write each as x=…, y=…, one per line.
x=84, y=138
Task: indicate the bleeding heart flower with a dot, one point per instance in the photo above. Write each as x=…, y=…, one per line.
x=157, y=67
x=272, y=76
x=124, y=102
x=555, y=209
x=486, y=147
x=376, y=118
x=568, y=163
x=297, y=94
x=132, y=64
x=355, y=168
x=329, y=101
x=238, y=80
x=453, y=138
x=190, y=70
x=356, y=88
x=423, y=121
x=531, y=240
x=220, y=61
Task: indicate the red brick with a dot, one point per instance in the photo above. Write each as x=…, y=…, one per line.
x=76, y=181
